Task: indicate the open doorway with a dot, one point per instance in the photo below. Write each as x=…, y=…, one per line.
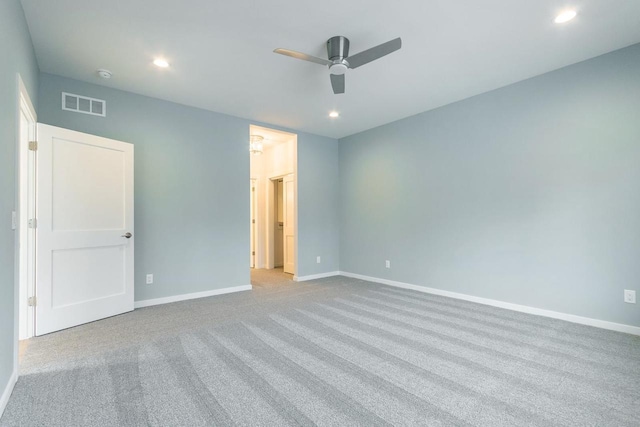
x=278, y=223
x=273, y=165
x=64, y=276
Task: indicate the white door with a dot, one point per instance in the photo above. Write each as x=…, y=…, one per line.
x=289, y=194
x=84, y=261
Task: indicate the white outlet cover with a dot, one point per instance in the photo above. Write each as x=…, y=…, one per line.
x=318, y=260
x=629, y=296
x=149, y=279
x=387, y=264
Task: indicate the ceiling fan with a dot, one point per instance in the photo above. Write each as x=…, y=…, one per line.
x=339, y=60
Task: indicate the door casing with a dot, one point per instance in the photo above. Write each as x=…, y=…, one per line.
x=289, y=214
x=26, y=205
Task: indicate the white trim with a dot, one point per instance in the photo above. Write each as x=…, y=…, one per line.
x=22, y=99
x=603, y=324
x=315, y=276
x=25, y=207
x=184, y=297
x=6, y=394
x=22, y=91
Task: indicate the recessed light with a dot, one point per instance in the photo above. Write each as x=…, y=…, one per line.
x=565, y=16
x=162, y=63
x=334, y=114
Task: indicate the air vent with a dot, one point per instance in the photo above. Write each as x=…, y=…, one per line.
x=84, y=104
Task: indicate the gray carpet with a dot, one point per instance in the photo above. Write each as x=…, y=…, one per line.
x=335, y=351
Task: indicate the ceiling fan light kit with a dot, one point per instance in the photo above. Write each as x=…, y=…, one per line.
x=339, y=60
x=339, y=68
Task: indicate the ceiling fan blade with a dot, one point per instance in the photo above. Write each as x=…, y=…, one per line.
x=304, y=56
x=374, y=53
x=337, y=83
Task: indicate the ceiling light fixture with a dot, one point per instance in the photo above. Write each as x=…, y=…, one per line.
x=255, y=144
x=565, y=16
x=334, y=114
x=162, y=63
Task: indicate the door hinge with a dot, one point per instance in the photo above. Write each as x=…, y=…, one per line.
x=32, y=301
x=33, y=223
x=253, y=221
x=33, y=145
x=253, y=253
x=253, y=188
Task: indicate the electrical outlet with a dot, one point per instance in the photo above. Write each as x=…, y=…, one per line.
x=629, y=296
x=318, y=259
x=149, y=279
x=387, y=264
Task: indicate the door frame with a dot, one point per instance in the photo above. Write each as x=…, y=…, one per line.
x=274, y=224
x=270, y=217
x=25, y=239
x=270, y=239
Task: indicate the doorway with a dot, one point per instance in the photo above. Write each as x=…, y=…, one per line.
x=273, y=165
x=278, y=224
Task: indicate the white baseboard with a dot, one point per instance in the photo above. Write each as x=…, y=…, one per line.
x=183, y=297
x=315, y=276
x=4, y=399
x=603, y=324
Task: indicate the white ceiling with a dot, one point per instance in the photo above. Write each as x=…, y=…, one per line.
x=221, y=51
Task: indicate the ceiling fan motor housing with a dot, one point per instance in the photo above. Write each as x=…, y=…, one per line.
x=337, y=47
x=337, y=51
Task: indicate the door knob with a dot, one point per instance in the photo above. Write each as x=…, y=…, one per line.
x=127, y=235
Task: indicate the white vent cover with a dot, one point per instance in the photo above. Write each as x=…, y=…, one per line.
x=84, y=104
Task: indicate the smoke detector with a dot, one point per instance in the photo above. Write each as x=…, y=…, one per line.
x=105, y=74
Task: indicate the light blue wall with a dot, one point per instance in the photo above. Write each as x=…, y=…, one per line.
x=318, y=185
x=528, y=194
x=191, y=192
x=17, y=56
